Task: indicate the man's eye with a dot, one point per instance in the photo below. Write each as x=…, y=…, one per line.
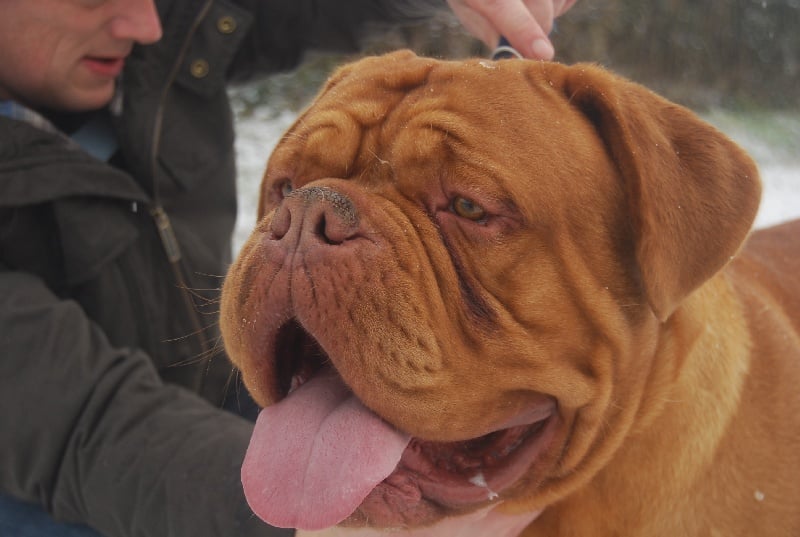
x=466, y=208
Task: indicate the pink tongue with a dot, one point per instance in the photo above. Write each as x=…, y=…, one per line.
x=316, y=455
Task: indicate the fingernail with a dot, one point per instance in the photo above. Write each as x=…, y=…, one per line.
x=543, y=49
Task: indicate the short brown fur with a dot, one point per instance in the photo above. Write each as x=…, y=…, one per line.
x=607, y=271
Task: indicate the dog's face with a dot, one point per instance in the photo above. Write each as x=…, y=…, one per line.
x=471, y=249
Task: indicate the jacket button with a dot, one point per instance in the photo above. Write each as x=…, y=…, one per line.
x=199, y=68
x=226, y=24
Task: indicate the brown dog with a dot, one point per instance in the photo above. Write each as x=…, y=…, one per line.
x=497, y=296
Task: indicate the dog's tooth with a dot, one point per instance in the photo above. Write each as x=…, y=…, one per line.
x=480, y=481
x=295, y=383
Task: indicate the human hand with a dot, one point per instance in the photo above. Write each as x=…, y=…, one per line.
x=524, y=23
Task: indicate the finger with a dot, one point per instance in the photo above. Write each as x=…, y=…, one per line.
x=543, y=12
x=520, y=26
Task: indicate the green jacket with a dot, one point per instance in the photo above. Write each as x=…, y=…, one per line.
x=111, y=372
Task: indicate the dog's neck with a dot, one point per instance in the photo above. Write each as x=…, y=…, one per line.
x=695, y=396
x=694, y=354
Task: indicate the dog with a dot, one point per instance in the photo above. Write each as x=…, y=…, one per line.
x=512, y=298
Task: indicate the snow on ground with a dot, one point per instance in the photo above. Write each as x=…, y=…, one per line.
x=256, y=136
x=772, y=140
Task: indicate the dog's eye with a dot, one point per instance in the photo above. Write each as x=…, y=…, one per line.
x=466, y=208
x=285, y=188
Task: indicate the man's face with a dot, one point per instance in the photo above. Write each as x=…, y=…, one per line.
x=65, y=54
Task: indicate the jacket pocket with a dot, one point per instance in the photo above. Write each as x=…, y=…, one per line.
x=86, y=248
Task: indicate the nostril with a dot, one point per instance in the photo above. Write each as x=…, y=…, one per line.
x=333, y=231
x=318, y=214
x=334, y=226
x=281, y=222
x=321, y=230
x=331, y=216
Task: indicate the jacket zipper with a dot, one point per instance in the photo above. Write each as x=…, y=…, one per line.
x=160, y=217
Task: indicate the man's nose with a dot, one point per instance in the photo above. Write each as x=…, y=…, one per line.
x=138, y=21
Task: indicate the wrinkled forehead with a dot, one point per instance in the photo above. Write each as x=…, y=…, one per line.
x=403, y=110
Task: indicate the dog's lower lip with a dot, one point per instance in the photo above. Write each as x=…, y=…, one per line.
x=467, y=473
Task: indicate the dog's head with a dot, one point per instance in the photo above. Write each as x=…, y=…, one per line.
x=467, y=254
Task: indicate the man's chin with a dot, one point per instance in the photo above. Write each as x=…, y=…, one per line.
x=77, y=97
x=87, y=100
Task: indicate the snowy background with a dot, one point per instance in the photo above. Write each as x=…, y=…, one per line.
x=771, y=138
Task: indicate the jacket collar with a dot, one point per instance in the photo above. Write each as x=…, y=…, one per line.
x=20, y=112
x=37, y=166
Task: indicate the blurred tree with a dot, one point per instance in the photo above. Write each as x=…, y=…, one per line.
x=699, y=53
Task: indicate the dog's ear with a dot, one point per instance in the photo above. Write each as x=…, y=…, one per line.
x=692, y=192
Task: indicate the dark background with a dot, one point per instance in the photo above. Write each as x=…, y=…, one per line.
x=734, y=54
x=698, y=52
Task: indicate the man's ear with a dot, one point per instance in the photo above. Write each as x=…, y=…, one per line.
x=692, y=193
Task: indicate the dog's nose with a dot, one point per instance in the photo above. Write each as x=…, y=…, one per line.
x=315, y=214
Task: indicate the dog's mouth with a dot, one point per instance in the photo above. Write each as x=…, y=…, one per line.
x=319, y=457
x=298, y=357
x=434, y=480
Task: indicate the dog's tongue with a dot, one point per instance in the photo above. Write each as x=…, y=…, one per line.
x=316, y=455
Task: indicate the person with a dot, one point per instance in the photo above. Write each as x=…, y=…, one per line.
x=117, y=204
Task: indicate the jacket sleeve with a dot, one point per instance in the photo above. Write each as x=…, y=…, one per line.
x=282, y=32
x=90, y=431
